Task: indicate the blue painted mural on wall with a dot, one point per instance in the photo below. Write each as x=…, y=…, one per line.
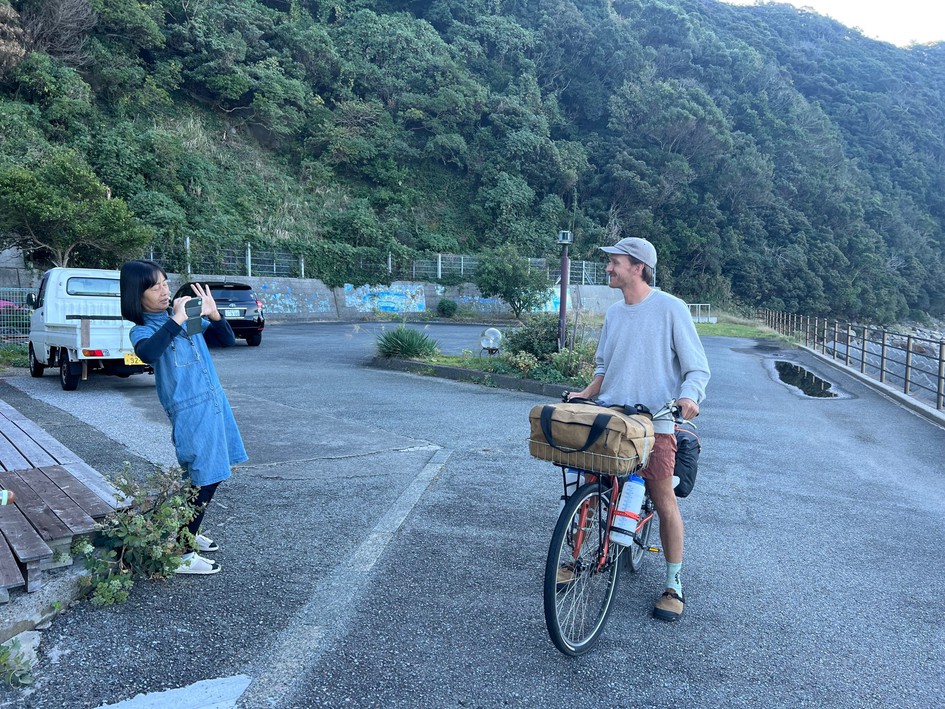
x=395, y=298
x=283, y=299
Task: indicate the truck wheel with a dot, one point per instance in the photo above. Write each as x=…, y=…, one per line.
x=36, y=369
x=254, y=339
x=69, y=381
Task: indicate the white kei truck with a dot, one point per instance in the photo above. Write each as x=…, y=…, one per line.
x=76, y=325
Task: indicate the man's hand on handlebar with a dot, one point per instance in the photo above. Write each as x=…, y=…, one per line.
x=688, y=409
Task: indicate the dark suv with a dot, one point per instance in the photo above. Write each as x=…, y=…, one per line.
x=237, y=302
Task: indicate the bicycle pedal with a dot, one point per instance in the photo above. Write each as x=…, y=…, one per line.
x=655, y=550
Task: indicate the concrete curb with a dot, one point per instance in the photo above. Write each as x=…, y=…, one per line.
x=472, y=376
x=26, y=611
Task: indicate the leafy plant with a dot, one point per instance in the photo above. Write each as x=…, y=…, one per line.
x=14, y=665
x=522, y=361
x=406, y=342
x=142, y=540
x=13, y=355
x=446, y=308
x=538, y=336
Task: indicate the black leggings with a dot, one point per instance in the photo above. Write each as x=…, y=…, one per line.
x=204, y=495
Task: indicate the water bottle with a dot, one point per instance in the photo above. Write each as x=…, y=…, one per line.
x=573, y=479
x=627, y=516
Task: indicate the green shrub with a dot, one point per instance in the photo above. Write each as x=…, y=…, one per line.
x=446, y=308
x=406, y=343
x=142, y=540
x=523, y=362
x=538, y=336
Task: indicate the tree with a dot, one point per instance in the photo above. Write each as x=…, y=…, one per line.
x=503, y=273
x=61, y=206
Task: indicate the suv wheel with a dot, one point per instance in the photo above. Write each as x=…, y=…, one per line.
x=254, y=339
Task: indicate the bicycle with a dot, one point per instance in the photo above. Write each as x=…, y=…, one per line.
x=582, y=572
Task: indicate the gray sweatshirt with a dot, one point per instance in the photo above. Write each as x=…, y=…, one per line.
x=650, y=353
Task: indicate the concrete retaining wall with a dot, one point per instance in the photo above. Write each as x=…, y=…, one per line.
x=308, y=299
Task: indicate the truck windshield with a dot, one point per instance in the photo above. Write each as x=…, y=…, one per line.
x=83, y=285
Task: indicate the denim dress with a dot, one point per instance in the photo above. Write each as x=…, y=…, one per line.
x=204, y=432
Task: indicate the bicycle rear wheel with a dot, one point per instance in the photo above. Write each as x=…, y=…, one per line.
x=579, y=582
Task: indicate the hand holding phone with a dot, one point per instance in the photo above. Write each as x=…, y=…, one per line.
x=193, y=324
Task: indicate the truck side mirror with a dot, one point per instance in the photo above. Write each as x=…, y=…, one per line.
x=31, y=300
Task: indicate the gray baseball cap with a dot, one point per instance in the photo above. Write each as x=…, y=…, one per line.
x=640, y=249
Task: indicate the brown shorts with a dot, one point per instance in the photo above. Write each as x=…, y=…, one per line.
x=662, y=461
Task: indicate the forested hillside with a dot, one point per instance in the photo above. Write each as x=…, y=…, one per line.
x=775, y=157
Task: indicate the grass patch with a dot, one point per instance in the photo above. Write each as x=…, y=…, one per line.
x=729, y=329
x=14, y=355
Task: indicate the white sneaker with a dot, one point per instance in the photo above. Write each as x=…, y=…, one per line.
x=205, y=544
x=193, y=564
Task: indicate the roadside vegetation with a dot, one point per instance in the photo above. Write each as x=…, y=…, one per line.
x=13, y=355
x=143, y=540
x=531, y=350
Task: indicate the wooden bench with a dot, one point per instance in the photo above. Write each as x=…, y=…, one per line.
x=58, y=498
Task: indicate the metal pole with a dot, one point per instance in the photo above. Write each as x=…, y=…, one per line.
x=836, y=337
x=563, y=307
x=249, y=259
x=439, y=266
x=849, y=339
x=940, y=399
x=863, y=350
x=905, y=385
x=302, y=265
x=187, y=254
x=882, y=359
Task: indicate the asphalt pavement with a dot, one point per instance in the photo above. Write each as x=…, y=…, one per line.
x=384, y=547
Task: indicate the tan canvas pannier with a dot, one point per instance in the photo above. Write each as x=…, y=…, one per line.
x=590, y=437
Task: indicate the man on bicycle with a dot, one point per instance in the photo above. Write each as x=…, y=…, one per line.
x=649, y=352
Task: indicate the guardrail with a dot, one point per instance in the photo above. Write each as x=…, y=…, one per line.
x=910, y=362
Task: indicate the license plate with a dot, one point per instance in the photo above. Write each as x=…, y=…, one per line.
x=231, y=312
x=133, y=359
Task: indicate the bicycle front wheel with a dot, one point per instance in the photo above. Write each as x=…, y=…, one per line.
x=582, y=571
x=637, y=551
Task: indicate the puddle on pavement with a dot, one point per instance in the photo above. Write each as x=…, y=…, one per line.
x=806, y=381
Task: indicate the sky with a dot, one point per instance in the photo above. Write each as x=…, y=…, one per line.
x=898, y=22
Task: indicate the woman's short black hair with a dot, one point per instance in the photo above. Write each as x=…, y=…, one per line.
x=136, y=278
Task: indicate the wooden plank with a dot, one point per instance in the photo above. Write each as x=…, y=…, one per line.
x=25, y=542
x=63, y=506
x=54, y=448
x=10, y=457
x=96, y=482
x=93, y=505
x=10, y=574
x=27, y=447
x=40, y=514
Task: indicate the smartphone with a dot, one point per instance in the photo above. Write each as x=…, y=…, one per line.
x=193, y=324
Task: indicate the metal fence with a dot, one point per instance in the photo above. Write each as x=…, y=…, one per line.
x=250, y=261
x=913, y=363
x=14, y=314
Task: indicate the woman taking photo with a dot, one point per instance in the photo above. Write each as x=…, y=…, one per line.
x=206, y=439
